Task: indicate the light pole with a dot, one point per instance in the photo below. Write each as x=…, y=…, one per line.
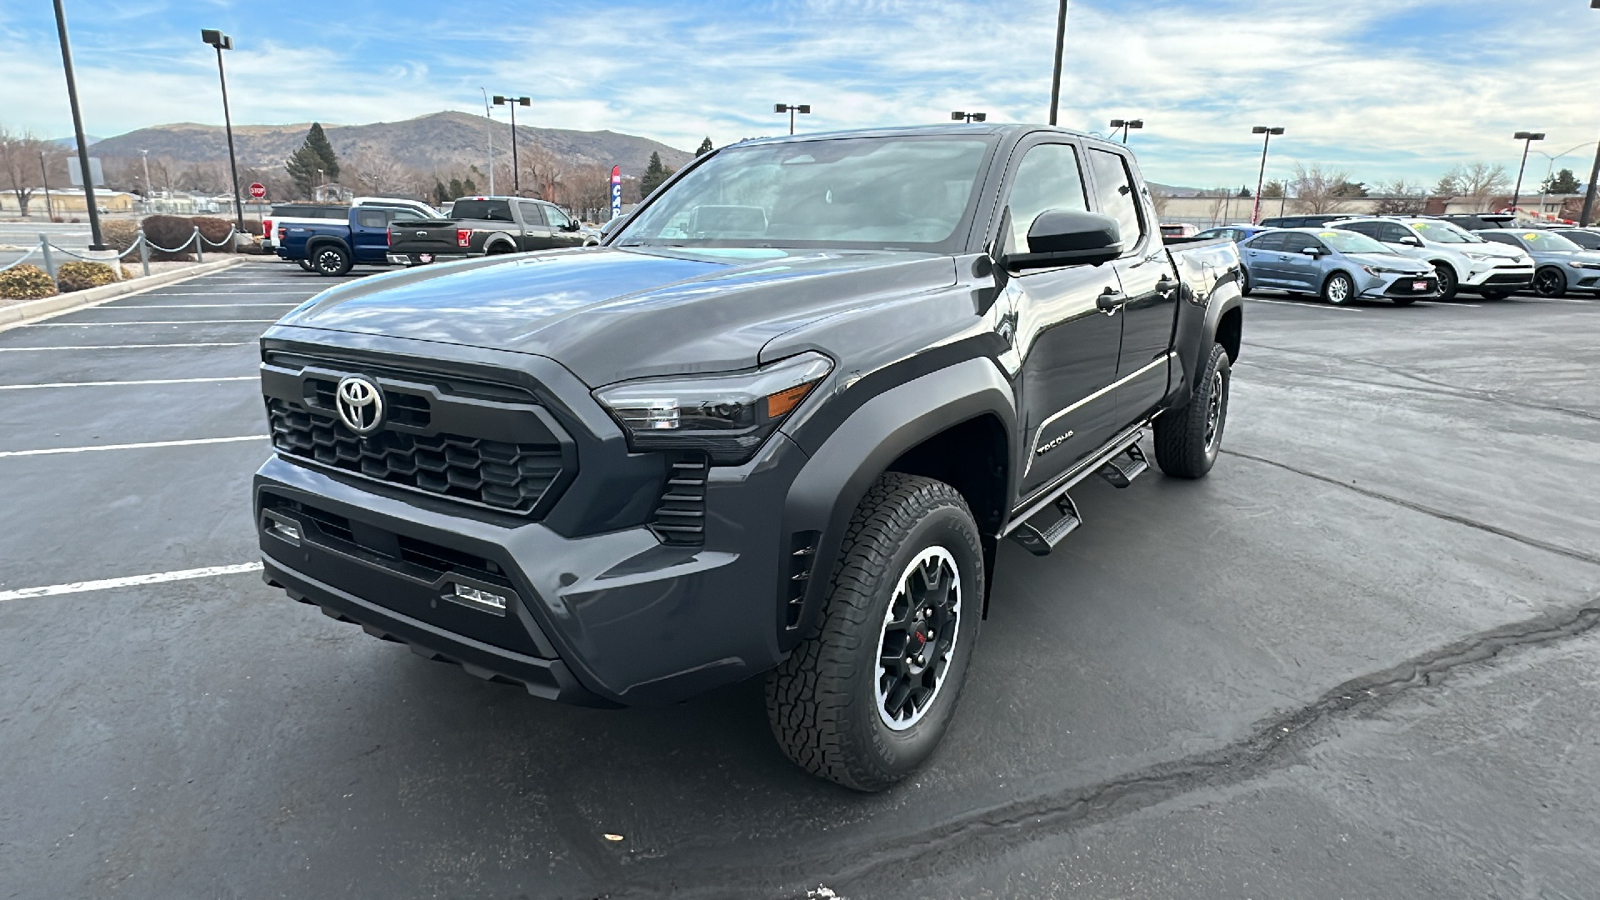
x=1268, y=131
x=144, y=155
x=1126, y=124
x=488, y=131
x=1527, y=138
x=513, y=102
x=803, y=109
x=222, y=42
x=1055, y=74
x=968, y=117
x=49, y=209
x=1594, y=175
x=1550, y=170
x=77, y=129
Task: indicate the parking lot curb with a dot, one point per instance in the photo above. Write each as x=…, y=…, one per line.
x=19, y=313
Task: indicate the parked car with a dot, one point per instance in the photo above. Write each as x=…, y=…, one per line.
x=1235, y=233
x=1479, y=221
x=1339, y=266
x=1587, y=238
x=1460, y=259
x=1313, y=221
x=331, y=247
x=778, y=423
x=1560, y=265
x=488, y=226
x=1178, y=230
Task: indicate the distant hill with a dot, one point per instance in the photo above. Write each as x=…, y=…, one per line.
x=71, y=143
x=444, y=140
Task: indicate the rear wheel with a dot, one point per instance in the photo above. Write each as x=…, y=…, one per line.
x=306, y=264
x=866, y=701
x=330, y=259
x=1448, y=283
x=1189, y=439
x=1338, y=289
x=1549, y=283
x=1244, y=281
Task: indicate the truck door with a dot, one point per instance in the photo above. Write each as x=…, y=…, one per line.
x=1066, y=346
x=1148, y=280
x=564, y=231
x=536, y=231
x=369, y=234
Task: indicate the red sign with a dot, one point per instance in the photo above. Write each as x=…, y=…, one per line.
x=258, y=190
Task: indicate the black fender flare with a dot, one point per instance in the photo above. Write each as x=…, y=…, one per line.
x=824, y=495
x=1221, y=302
x=320, y=240
x=496, y=239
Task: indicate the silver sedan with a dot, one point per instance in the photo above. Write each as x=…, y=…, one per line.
x=1339, y=266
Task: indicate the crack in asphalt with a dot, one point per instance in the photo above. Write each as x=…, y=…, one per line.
x=1508, y=534
x=1447, y=389
x=1274, y=744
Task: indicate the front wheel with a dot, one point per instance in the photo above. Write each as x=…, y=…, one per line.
x=1549, y=283
x=865, y=701
x=1187, y=440
x=1338, y=289
x=1448, y=283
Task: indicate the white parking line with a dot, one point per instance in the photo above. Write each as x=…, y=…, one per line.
x=1448, y=303
x=127, y=346
x=67, y=384
x=197, y=305
x=103, y=584
x=1304, y=305
x=145, y=446
x=222, y=293
x=94, y=324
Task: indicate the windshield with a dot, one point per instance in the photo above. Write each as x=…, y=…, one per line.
x=1548, y=243
x=1351, y=242
x=854, y=193
x=487, y=210
x=1445, y=233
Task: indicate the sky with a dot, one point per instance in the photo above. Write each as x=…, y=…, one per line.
x=1383, y=89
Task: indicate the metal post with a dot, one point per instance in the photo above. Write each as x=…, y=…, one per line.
x=77, y=128
x=146, y=155
x=791, y=120
x=1261, y=178
x=144, y=253
x=199, y=246
x=1588, y=197
x=233, y=162
x=49, y=208
x=1516, y=193
x=516, y=176
x=488, y=131
x=1055, y=75
x=49, y=261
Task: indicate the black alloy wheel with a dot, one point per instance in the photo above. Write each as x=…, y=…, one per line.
x=331, y=260
x=1549, y=283
x=920, y=628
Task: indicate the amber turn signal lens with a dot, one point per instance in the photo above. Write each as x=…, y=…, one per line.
x=780, y=404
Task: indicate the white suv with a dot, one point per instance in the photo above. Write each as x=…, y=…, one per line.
x=1463, y=260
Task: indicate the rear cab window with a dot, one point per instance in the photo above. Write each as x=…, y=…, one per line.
x=1117, y=198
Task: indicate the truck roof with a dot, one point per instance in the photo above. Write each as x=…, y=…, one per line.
x=952, y=128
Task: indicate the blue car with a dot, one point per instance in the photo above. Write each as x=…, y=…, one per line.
x=1236, y=233
x=1561, y=265
x=1339, y=266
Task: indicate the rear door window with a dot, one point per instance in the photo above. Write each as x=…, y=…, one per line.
x=1295, y=242
x=1114, y=190
x=371, y=219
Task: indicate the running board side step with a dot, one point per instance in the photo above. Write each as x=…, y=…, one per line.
x=1123, y=468
x=1040, y=541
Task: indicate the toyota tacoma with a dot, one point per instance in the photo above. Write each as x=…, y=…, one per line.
x=777, y=424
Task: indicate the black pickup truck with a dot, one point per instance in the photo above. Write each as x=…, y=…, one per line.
x=487, y=226
x=777, y=424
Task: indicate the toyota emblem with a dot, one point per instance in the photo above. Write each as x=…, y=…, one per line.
x=360, y=404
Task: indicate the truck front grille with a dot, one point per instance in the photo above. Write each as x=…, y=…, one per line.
x=496, y=474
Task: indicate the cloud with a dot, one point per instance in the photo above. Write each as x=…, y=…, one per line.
x=1384, y=88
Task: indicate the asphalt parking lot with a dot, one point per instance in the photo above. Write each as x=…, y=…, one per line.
x=1358, y=660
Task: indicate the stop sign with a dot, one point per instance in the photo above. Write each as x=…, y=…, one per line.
x=258, y=190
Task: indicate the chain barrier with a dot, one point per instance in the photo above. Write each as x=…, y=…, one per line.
x=20, y=261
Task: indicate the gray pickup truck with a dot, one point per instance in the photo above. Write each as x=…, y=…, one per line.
x=776, y=425
x=487, y=226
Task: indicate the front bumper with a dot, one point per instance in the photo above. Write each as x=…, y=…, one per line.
x=617, y=618
x=1498, y=278
x=422, y=259
x=1388, y=286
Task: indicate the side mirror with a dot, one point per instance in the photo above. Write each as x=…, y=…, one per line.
x=608, y=227
x=1411, y=241
x=572, y=225
x=1312, y=252
x=1066, y=237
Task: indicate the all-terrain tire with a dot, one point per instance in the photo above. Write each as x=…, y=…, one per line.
x=823, y=701
x=1188, y=440
x=331, y=259
x=306, y=264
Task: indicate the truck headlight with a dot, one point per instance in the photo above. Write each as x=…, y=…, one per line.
x=727, y=416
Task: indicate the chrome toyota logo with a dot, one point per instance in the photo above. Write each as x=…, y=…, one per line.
x=360, y=404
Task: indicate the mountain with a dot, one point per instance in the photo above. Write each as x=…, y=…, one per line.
x=448, y=141
x=71, y=143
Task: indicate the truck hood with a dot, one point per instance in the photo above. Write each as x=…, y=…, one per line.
x=615, y=314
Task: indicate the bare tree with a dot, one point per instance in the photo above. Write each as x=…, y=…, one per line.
x=1478, y=182
x=1317, y=190
x=20, y=164
x=377, y=174
x=1160, y=199
x=586, y=190
x=1400, y=198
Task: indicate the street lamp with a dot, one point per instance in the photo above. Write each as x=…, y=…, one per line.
x=1588, y=197
x=513, y=102
x=1550, y=169
x=1125, y=125
x=488, y=133
x=968, y=117
x=1268, y=131
x=1527, y=138
x=77, y=128
x=222, y=42
x=803, y=109
x=1055, y=74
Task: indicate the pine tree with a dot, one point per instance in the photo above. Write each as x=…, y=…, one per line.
x=314, y=163
x=1563, y=182
x=705, y=147
x=654, y=174
x=1244, y=193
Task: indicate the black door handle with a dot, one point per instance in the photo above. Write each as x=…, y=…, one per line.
x=1111, y=301
x=1166, y=283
